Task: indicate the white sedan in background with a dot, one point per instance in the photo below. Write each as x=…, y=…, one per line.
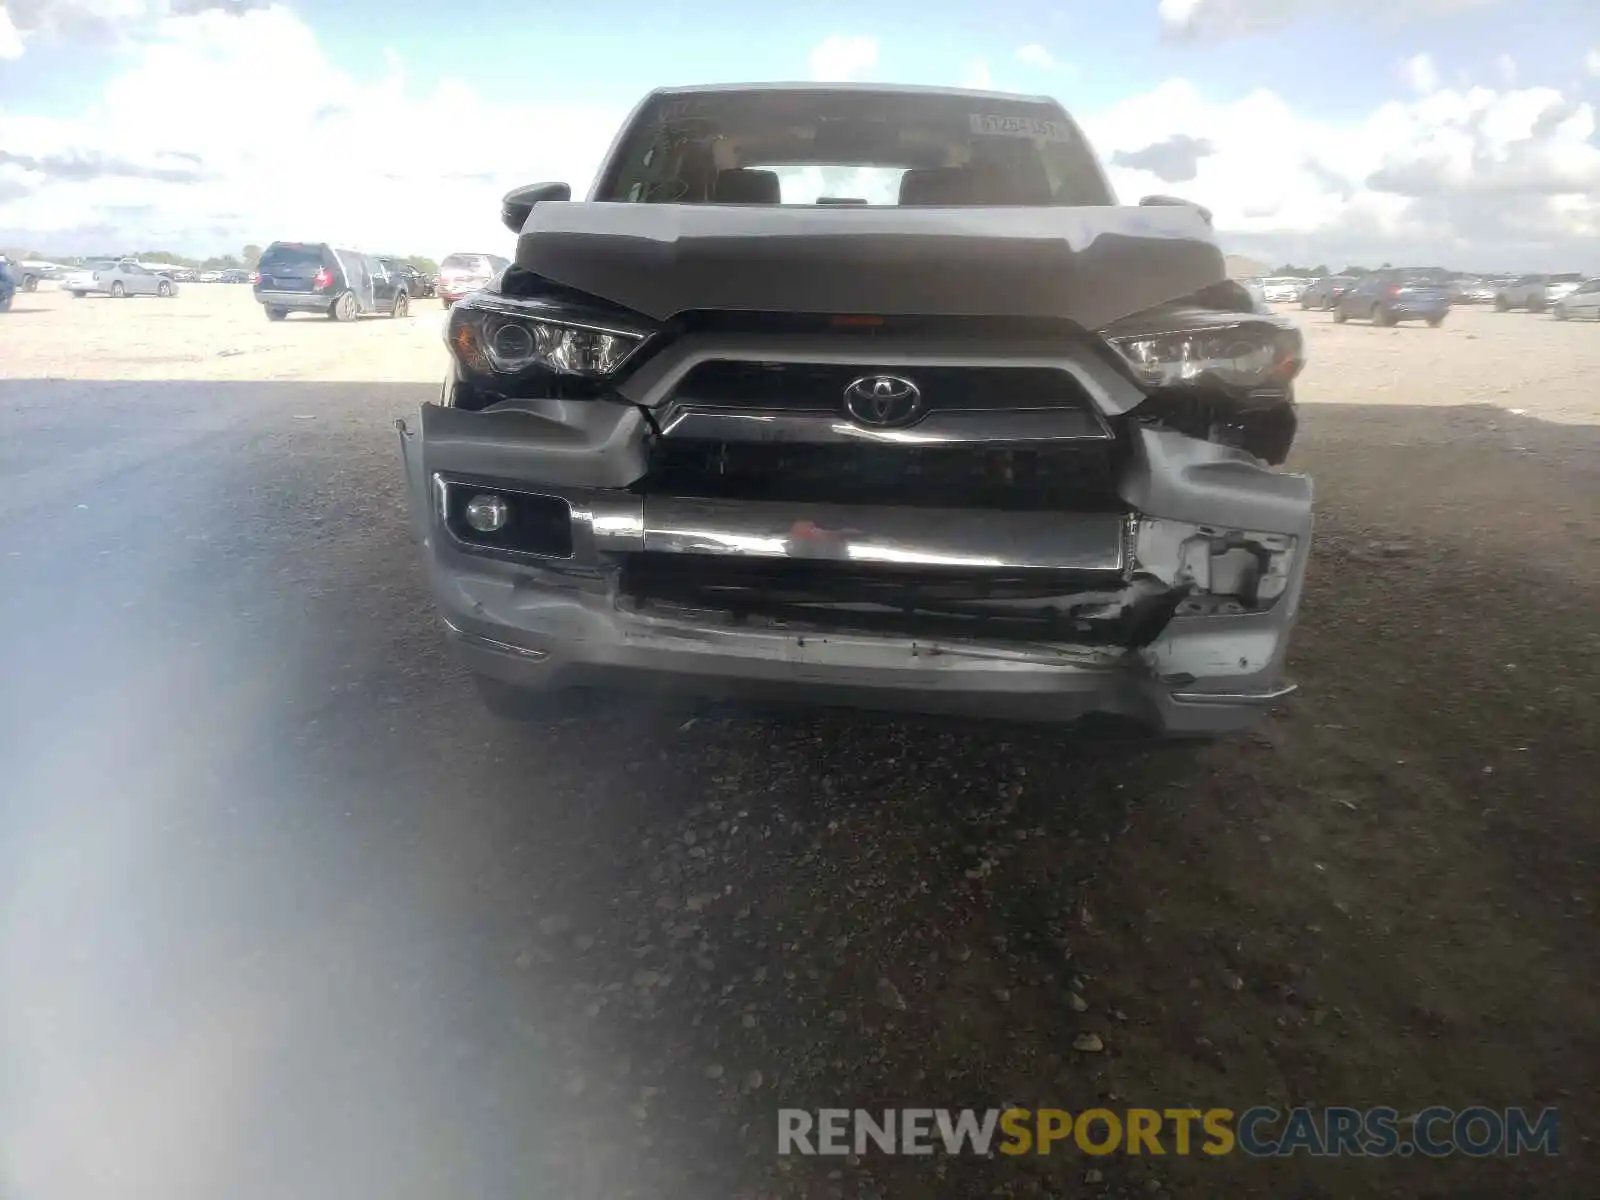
x=1582, y=301
x=1282, y=290
x=118, y=278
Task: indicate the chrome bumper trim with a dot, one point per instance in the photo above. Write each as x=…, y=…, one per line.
x=948, y=427
x=489, y=643
x=1265, y=697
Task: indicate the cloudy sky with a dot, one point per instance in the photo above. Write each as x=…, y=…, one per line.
x=1419, y=131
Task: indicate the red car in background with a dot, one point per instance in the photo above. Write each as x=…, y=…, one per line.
x=463, y=273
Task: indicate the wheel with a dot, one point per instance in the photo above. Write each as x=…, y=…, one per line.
x=117, y=290
x=164, y=290
x=1340, y=316
x=402, y=306
x=1536, y=304
x=30, y=283
x=276, y=314
x=1501, y=304
x=1379, y=317
x=344, y=308
x=1435, y=322
x=77, y=295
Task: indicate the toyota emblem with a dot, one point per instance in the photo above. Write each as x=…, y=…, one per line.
x=883, y=400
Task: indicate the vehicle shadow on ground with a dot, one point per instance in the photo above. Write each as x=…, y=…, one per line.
x=599, y=953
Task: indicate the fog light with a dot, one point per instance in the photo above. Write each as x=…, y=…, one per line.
x=487, y=514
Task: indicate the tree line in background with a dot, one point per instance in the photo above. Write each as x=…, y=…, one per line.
x=245, y=260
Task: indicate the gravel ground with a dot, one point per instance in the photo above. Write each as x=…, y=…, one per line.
x=286, y=914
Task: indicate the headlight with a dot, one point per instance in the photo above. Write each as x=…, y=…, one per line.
x=1195, y=347
x=1218, y=375
x=502, y=335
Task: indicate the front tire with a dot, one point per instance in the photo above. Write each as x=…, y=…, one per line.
x=164, y=290
x=277, y=314
x=1501, y=304
x=31, y=284
x=118, y=291
x=1536, y=304
x=402, y=306
x=1340, y=316
x=1379, y=317
x=78, y=295
x=1435, y=322
x=344, y=308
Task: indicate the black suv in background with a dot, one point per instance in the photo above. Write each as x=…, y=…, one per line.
x=418, y=285
x=316, y=277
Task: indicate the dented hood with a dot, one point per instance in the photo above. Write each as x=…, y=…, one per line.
x=1088, y=265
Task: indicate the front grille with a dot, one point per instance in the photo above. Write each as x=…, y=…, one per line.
x=1077, y=476
x=820, y=387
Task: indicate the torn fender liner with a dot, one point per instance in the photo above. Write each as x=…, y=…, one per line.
x=1088, y=265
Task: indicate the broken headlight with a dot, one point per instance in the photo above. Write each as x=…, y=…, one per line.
x=1222, y=376
x=504, y=336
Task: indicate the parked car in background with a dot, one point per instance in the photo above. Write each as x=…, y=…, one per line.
x=1472, y=291
x=237, y=275
x=1385, y=298
x=8, y=285
x=28, y=272
x=1582, y=301
x=340, y=284
x=1282, y=289
x=463, y=273
x=419, y=286
x=118, y=278
x=1258, y=297
x=1535, y=292
x=1324, y=293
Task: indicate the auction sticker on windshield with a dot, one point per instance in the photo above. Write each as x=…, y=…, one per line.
x=1022, y=127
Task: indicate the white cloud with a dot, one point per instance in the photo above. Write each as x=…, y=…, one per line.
x=149, y=167
x=1192, y=20
x=1470, y=177
x=1036, y=55
x=10, y=36
x=842, y=58
x=1421, y=74
x=977, y=75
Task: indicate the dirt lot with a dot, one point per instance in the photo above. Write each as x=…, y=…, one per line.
x=1385, y=895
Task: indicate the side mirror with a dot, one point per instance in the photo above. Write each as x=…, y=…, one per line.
x=519, y=202
x=1170, y=200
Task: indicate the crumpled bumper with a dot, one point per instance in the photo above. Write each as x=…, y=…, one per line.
x=551, y=624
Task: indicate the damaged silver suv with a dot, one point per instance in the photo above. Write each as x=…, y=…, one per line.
x=871, y=395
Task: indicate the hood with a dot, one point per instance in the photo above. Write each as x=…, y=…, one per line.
x=1088, y=265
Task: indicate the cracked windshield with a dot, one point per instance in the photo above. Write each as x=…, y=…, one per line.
x=843, y=602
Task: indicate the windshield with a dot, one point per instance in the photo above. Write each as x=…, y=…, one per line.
x=796, y=146
x=465, y=264
x=283, y=259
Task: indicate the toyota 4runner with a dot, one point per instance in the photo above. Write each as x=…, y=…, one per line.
x=873, y=395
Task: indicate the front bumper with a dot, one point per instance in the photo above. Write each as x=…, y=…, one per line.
x=546, y=624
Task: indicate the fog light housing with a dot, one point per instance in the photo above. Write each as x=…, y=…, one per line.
x=487, y=513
